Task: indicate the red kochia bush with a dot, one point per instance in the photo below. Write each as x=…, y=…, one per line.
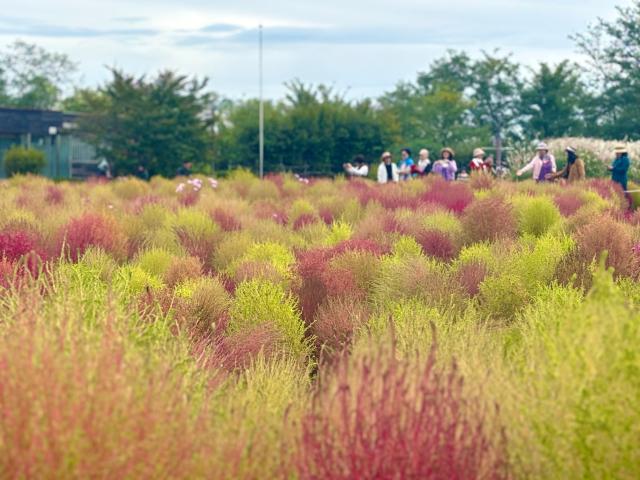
x=16, y=242
x=568, y=203
x=384, y=418
x=92, y=230
x=469, y=277
x=54, y=195
x=316, y=282
x=226, y=221
x=605, y=234
x=451, y=195
x=489, y=219
x=437, y=244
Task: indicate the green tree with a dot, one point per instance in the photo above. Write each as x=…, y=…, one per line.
x=159, y=123
x=31, y=77
x=552, y=101
x=613, y=48
x=496, y=92
x=313, y=130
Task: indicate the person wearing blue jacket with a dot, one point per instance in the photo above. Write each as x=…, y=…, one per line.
x=620, y=167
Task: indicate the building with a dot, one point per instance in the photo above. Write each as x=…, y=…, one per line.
x=52, y=132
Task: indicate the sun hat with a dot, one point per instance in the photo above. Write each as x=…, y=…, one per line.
x=385, y=155
x=621, y=149
x=542, y=146
x=447, y=149
x=478, y=152
x=571, y=149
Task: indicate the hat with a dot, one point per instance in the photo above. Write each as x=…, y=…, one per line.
x=385, y=155
x=478, y=152
x=542, y=146
x=621, y=149
x=447, y=149
x=571, y=149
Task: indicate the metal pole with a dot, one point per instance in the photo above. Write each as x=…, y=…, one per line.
x=261, y=113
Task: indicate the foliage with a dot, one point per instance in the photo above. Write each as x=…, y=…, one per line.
x=21, y=161
x=157, y=123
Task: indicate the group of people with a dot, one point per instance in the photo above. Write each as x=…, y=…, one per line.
x=542, y=165
x=407, y=168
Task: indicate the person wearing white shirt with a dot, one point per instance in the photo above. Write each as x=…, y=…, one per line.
x=388, y=171
x=360, y=169
x=542, y=164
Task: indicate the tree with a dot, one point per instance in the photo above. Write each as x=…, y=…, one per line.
x=453, y=71
x=496, y=92
x=31, y=77
x=552, y=101
x=613, y=48
x=313, y=130
x=435, y=110
x=159, y=123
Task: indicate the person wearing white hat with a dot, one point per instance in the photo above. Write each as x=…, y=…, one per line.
x=620, y=167
x=477, y=162
x=387, y=170
x=542, y=164
x=574, y=171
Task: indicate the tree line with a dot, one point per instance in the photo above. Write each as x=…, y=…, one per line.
x=458, y=101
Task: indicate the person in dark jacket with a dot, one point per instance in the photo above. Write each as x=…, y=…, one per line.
x=573, y=172
x=184, y=170
x=620, y=167
x=141, y=172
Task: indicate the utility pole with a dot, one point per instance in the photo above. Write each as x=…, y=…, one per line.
x=261, y=110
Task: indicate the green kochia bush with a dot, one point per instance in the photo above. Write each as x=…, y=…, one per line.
x=258, y=301
x=578, y=384
x=524, y=272
x=536, y=215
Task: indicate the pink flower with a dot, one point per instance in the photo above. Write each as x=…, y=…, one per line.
x=180, y=188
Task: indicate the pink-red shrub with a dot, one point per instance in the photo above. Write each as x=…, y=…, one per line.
x=489, y=219
x=568, y=203
x=226, y=221
x=381, y=417
x=469, y=276
x=437, y=244
x=69, y=409
x=335, y=322
x=604, y=234
x=240, y=349
x=54, y=195
x=16, y=242
x=91, y=230
x=189, y=197
x=453, y=196
x=182, y=269
x=304, y=220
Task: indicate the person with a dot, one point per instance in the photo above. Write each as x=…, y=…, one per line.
x=573, y=172
x=542, y=164
x=104, y=168
x=387, y=171
x=446, y=166
x=488, y=165
x=404, y=169
x=423, y=167
x=141, y=172
x=185, y=169
x=477, y=162
x=359, y=168
x=620, y=167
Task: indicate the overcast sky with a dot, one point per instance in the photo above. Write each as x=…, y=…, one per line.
x=361, y=46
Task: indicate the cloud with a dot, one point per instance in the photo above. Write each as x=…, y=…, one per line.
x=22, y=27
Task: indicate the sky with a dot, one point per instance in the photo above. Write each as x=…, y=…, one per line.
x=362, y=48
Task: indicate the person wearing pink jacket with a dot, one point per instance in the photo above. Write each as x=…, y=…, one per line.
x=542, y=164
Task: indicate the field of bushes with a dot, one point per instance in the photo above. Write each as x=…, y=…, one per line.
x=318, y=329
